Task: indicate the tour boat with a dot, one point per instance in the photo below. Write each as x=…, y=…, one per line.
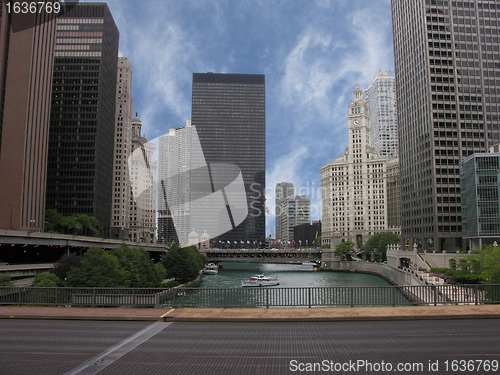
x=211, y=269
x=260, y=280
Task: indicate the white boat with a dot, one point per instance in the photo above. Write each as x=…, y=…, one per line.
x=260, y=280
x=211, y=269
x=310, y=264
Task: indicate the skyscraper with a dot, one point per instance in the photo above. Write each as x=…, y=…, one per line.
x=82, y=126
x=26, y=60
x=354, y=186
x=174, y=184
x=228, y=111
x=283, y=190
x=142, y=170
x=120, y=219
x=295, y=210
x=381, y=99
x=447, y=63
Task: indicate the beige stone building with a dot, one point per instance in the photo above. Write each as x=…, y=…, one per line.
x=354, y=187
x=143, y=177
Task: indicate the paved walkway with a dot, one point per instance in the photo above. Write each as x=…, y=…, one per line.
x=254, y=315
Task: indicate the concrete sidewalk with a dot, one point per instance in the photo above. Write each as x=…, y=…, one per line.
x=326, y=314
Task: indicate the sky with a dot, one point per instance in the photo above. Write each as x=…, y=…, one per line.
x=313, y=53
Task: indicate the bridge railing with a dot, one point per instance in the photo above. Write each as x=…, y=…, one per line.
x=254, y=297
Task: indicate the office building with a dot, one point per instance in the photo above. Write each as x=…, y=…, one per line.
x=307, y=235
x=393, y=196
x=381, y=99
x=26, y=63
x=447, y=66
x=82, y=120
x=228, y=111
x=295, y=210
x=120, y=220
x=353, y=186
x=283, y=191
x=480, y=201
x=143, y=171
x=174, y=185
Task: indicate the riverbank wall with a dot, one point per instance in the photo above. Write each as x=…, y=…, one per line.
x=393, y=275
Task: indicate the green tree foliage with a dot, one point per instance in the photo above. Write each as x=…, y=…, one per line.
x=98, y=269
x=88, y=225
x=84, y=224
x=142, y=272
x=5, y=280
x=63, y=265
x=183, y=263
x=47, y=280
x=377, y=244
x=484, y=264
x=343, y=249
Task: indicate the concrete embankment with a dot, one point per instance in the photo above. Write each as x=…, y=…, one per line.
x=391, y=274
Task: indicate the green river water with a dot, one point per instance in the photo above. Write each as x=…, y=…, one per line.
x=289, y=275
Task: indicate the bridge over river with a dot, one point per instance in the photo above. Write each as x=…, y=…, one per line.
x=291, y=256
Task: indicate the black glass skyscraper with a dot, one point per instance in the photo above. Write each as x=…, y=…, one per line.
x=81, y=138
x=228, y=111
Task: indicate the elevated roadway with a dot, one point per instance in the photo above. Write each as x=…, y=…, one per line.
x=26, y=238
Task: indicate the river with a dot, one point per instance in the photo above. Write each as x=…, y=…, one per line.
x=289, y=275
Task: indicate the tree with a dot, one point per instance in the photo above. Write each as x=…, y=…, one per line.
x=377, y=244
x=142, y=272
x=57, y=223
x=53, y=221
x=47, y=280
x=89, y=225
x=5, y=280
x=63, y=265
x=343, y=249
x=183, y=263
x=98, y=269
x=484, y=264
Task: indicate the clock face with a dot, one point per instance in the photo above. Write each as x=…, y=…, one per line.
x=356, y=122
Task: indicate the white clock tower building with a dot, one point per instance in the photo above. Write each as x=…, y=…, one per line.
x=354, y=192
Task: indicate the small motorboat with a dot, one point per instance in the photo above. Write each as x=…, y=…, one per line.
x=260, y=280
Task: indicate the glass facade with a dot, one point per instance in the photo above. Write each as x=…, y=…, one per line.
x=480, y=187
x=228, y=111
x=81, y=139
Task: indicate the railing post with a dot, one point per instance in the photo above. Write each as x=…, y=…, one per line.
x=435, y=294
x=394, y=296
x=133, y=297
x=19, y=295
x=352, y=296
x=57, y=296
x=224, y=299
x=267, y=297
x=309, y=296
x=93, y=298
x=476, y=294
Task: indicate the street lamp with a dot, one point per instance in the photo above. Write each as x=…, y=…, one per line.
x=10, y=226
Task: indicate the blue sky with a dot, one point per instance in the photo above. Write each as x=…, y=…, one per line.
x=313, y=53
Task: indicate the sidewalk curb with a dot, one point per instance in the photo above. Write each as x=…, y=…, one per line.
x=79, y=317
x=330, y=319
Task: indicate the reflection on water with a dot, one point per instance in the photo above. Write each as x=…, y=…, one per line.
x=290, y=275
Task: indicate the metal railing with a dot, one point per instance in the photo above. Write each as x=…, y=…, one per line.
x=255, y=297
